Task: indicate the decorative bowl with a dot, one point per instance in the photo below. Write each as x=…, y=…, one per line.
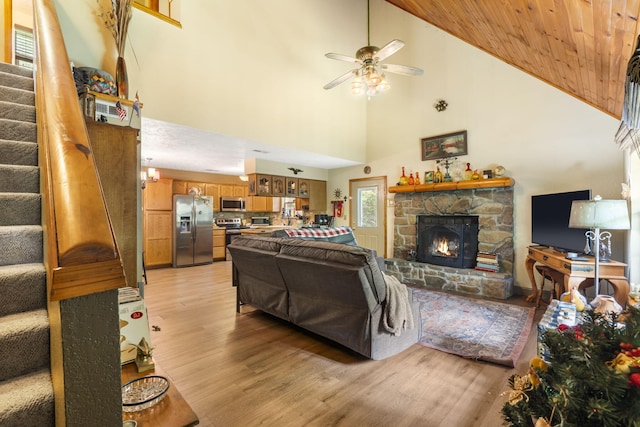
x=144, y=392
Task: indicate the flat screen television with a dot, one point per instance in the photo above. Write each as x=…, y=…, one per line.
x=550, y=221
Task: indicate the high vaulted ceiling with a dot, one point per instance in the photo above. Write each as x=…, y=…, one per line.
x=579, y=46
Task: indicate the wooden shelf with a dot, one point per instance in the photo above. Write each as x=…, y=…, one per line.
x=451, y=186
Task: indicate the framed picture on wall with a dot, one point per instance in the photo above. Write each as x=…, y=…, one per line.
x=442, y=146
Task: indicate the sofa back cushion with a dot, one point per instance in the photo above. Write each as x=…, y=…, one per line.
x=333, y=289
x=257, y=274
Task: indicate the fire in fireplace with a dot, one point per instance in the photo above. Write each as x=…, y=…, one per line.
x=447, y=240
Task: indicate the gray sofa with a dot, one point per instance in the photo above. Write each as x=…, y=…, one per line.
x=333, y=290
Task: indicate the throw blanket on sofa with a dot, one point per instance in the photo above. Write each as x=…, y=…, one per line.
x=317, y=232
x=397, y=312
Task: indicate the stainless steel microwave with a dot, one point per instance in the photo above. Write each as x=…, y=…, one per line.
x=232, y=204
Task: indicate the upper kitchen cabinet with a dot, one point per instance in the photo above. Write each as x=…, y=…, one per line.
x=231, y=190
x=179, y=187
x=278, y=186
x=158, y=195
x=260, y=185
x=196, y=188
x=292, y=187
x=317, y=195
x=213, y=190
x=303, y=188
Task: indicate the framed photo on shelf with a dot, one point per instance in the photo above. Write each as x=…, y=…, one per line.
x=442, y=146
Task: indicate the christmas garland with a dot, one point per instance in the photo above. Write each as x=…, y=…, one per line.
x=592, y=378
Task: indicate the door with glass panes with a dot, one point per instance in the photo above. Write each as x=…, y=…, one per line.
x=368, y=219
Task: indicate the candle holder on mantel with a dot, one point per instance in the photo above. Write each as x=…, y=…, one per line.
x=447, y=163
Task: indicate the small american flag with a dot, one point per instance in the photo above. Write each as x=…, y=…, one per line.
x=136, y=105
x=122, y=112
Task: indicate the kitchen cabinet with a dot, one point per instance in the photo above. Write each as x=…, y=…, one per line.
x=259, y=185
x=231, y=190
x=196, y=188
x=317, y=195
x=316, y=199
x=259, y=204
x=303, y=188
x=219, y=244
x=292, y=187
x=278, y=186
x=157, y=223
x=158, y=195
x=213, y=190
x=240, y=191
x=179, y=187
x=115, y=150
x=226, y=190
x=158, y=238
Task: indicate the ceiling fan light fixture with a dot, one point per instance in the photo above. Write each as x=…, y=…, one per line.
x=357, y=86
x=384, y=85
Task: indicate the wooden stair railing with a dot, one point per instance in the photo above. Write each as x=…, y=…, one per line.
x=81, y=255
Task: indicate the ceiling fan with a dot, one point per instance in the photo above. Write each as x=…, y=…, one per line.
x=369, y=76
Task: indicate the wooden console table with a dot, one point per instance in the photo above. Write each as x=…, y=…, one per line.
x=172, y=411
x=577, y=274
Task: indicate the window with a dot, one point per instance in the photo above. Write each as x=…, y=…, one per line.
x=167, y=10
x=368, y=207
x=24, y=47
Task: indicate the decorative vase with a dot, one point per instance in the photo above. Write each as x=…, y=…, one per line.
x=122, y=81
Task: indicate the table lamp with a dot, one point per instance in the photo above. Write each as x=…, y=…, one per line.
x=596, y=214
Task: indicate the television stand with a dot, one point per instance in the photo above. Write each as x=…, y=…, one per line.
x=577, y=274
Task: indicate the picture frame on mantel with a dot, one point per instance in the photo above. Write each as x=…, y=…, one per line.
x=442, y=146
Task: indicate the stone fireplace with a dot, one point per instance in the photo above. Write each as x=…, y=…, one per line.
x=493, y=208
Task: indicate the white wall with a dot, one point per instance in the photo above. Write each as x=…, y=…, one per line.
x=243, y=68
x=547, y=140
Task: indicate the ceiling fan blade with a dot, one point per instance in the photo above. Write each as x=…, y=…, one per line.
x=342, y=78
x=401, y=69
x=341, y=57
x=389, y=49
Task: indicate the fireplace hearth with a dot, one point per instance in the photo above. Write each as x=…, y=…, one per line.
x=447, y=240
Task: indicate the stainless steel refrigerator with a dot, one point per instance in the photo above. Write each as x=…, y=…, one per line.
x=193, y=230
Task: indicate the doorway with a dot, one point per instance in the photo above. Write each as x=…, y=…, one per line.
x=368, y=213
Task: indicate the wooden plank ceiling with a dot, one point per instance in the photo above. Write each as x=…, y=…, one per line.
x=579, y=46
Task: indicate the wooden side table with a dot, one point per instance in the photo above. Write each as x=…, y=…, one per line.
x=172, y=411
x=577, y=274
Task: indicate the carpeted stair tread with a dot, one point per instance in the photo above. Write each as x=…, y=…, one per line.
x=27, y=401
x=19, y=179
x=13, y=111
x=21, y=244
x=19, y=96
x=16, y=81
x=23, y=288
x=19, y=209
x=15, y=69
x=16, y=130
x=18, y=153
x=24, y=343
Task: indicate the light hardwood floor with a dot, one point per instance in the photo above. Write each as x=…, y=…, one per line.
x=251, y=369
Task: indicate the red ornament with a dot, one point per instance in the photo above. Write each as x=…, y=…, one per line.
x=634, y=379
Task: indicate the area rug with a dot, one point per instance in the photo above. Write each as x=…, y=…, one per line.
x=473, y=328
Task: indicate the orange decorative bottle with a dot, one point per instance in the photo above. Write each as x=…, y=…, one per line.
x=403, y=179
x=437, y=176
x=411, y=181
x=468, y=173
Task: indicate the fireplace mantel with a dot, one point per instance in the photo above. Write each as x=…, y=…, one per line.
x=452, y=186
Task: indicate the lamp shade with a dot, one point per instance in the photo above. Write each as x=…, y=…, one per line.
x=598, y=213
